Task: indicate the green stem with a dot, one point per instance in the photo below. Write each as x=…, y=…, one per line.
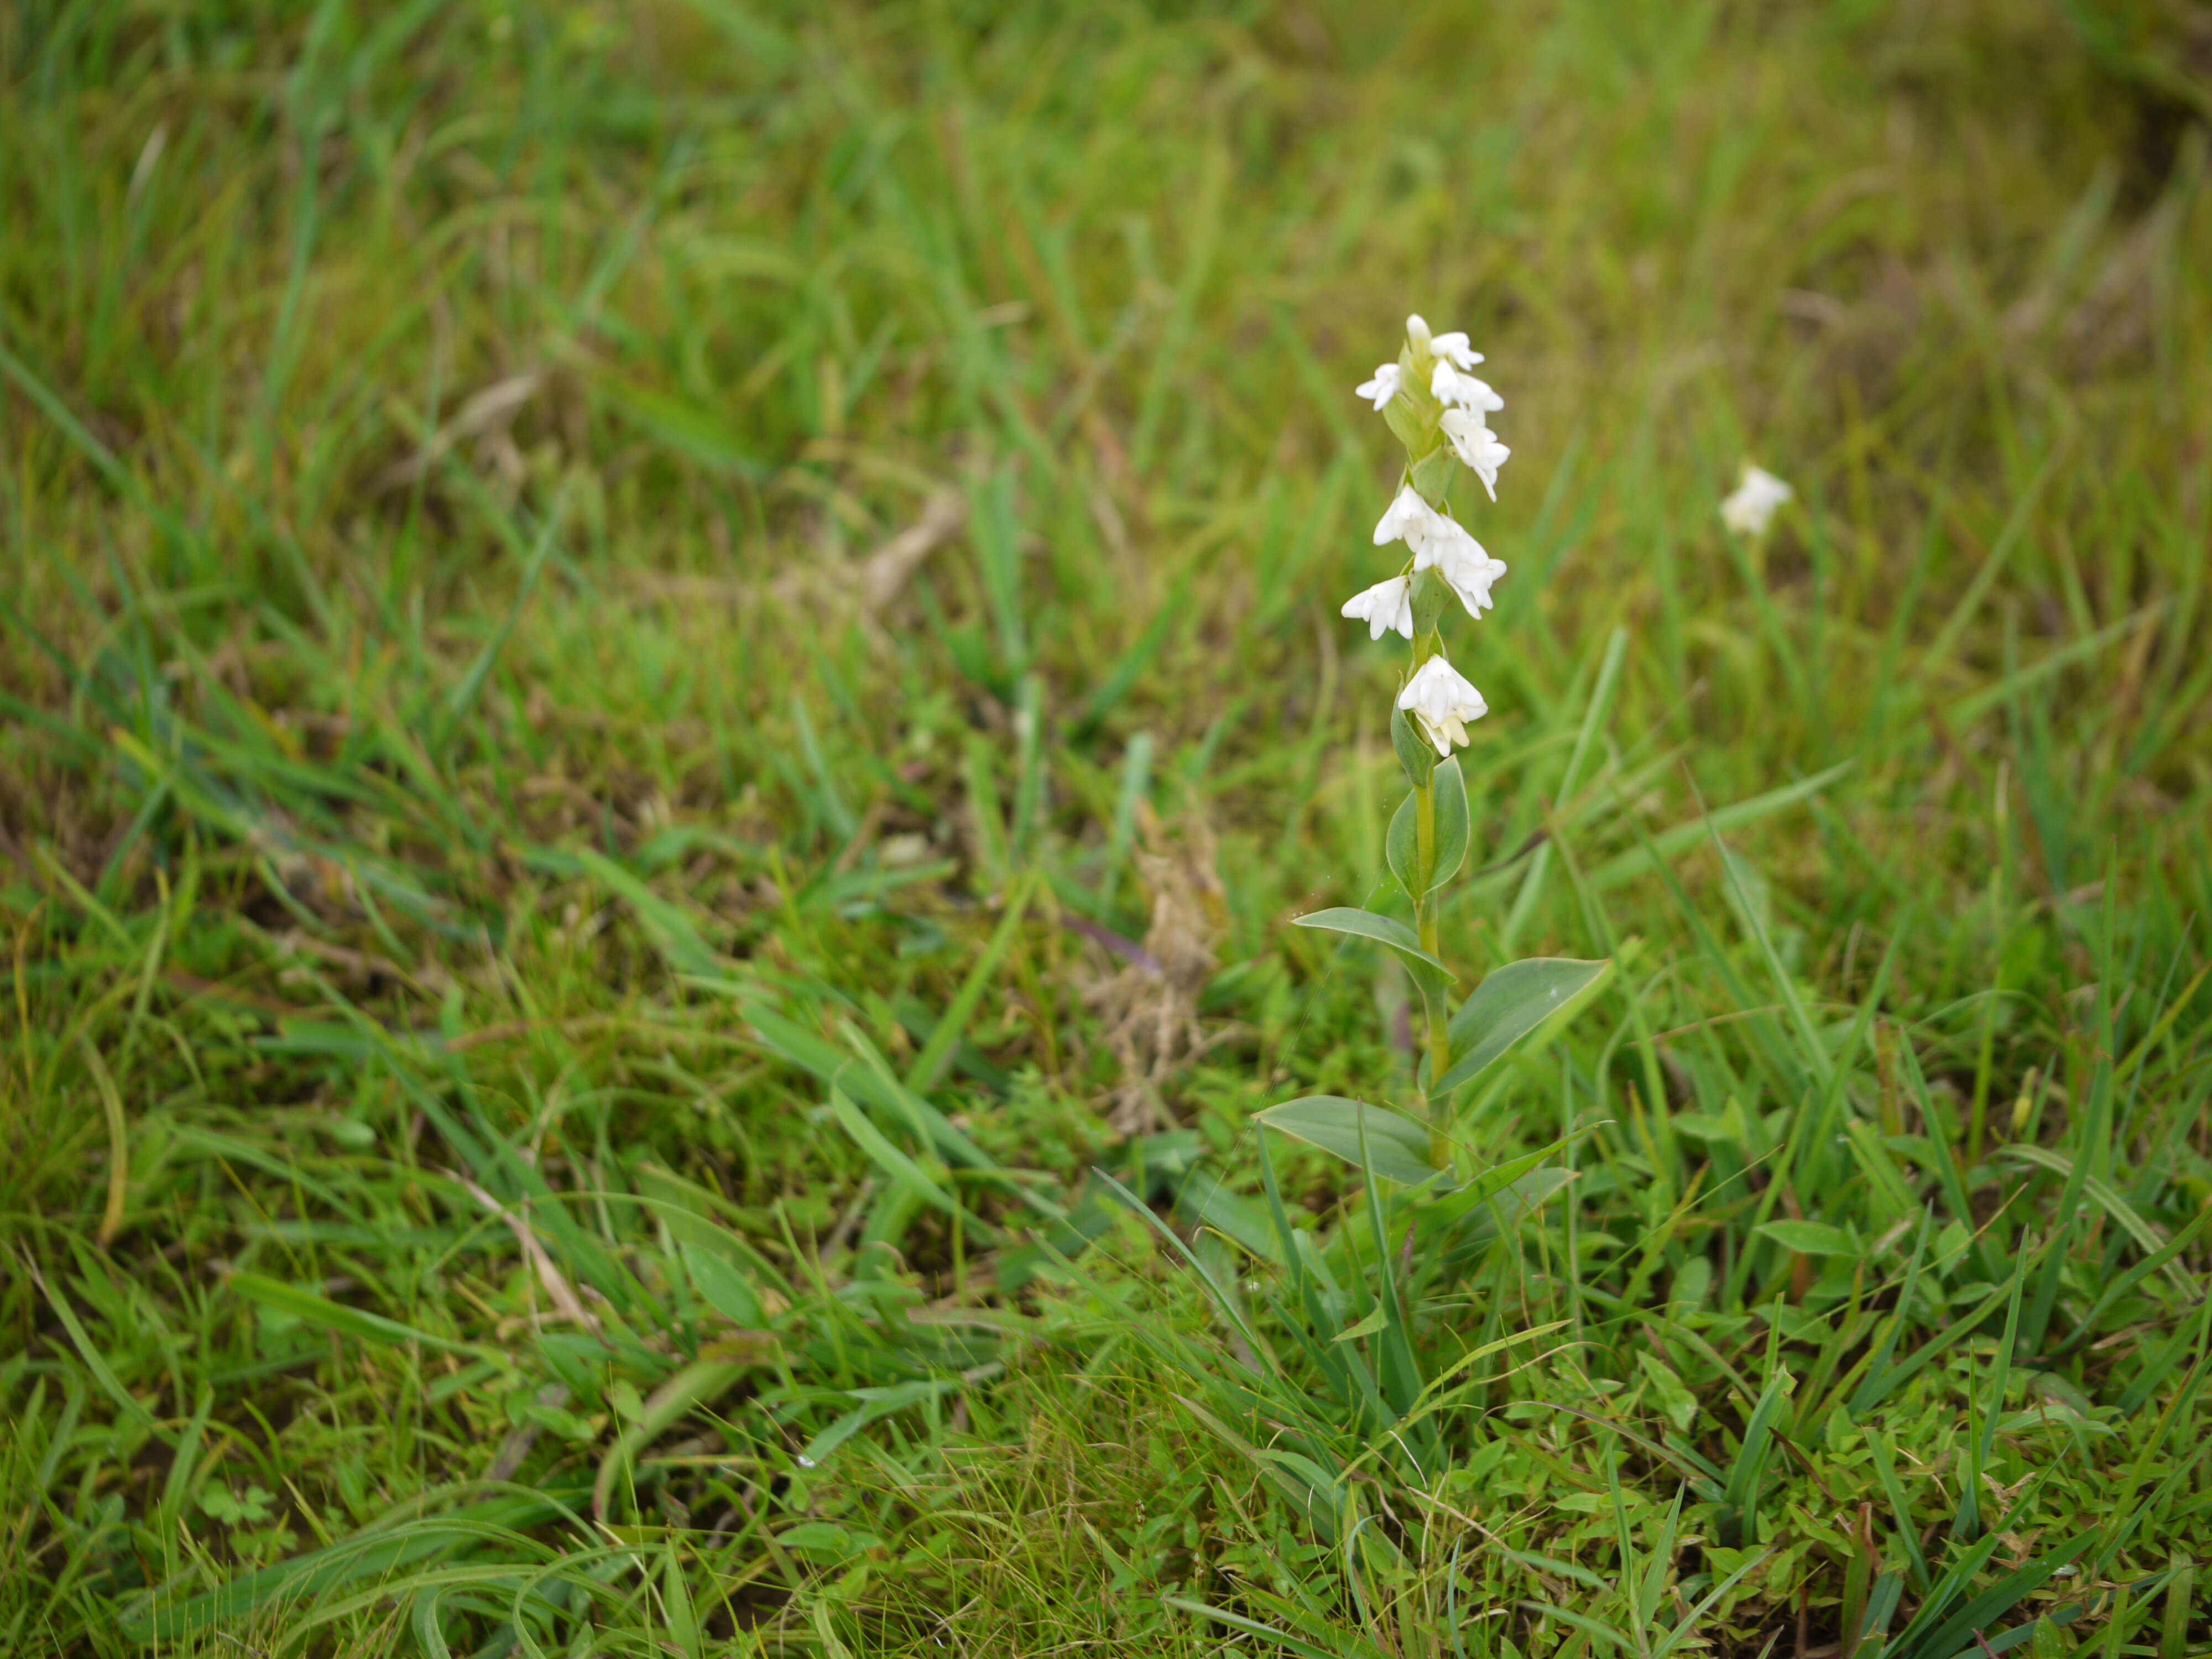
x=1426, y=916
x=1424, y=860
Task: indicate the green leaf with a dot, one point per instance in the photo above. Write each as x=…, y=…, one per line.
x=1433, y=474
x=683, y=1617
x=379, y=1551
x=1415, y=755
x=337, y=1316
x=1683, y=836
x=886, y=1157
x=1429, y=593
x=1668, y=1393
x=937, y=1053
x=1585, y=1623
x=1383, y=930
x=2107, y=1197
x=1411, y=416
x=1502, y=1179
x=670, y=930
x=1397, y=1147
x=1744, y=1475
x=1810, y=1237
x=2003, y=1596
x=1237, y=1621
x=95, y=1361
x=702, y=433
x=463, y=697
x=233, y=1508
x=429, y=1635
x=702, y=1382
x=1367, y=1327
x=870, y=1081
x=875, y=1403
x=1207, y=1200
x=1515, y=1001
x=1454, y=832
x=1402, y=846
x=722, y=1287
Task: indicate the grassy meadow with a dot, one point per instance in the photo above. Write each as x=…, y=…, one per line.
x=671, y=672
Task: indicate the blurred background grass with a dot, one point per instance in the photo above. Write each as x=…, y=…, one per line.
x=542, y=537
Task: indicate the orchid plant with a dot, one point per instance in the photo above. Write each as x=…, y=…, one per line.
x=1331, y=1420
x=1439, y=410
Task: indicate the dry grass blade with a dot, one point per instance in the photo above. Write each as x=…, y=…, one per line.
x=556, y=1284
x=891, y=567
x=118, y=1141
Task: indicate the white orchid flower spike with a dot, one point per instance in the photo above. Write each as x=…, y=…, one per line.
x=1379, y=390
x=1454, y=349
x=1457, y=390
x=1476, y=446
x=1460, y=560
x=1436, y=699
x=1440, y=702
x=1387, y=607
x=1408, y=518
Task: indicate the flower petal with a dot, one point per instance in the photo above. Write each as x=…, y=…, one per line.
x=1385, y=607
x=1383, y=385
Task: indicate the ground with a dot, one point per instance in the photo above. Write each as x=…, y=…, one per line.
x=671, y=672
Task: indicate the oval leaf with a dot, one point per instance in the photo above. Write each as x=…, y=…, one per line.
x=1510, y=1004
x=722, y=1286
x=1434, y=473
x=1397, y=1147
x=1403, y=846
x=1383, y=930
x=1453, y=831
x=1415, y=755
x=1500, y=1178
x=1810, y=1238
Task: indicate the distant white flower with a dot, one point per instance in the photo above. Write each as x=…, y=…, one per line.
x=1457, y=390
x=1383, y=607
x=1408, y=518
x=1441, y=703
x=1476, y=445
x=1418, y=332
x=1467, y=569
x=1749, y=511
x=1454, y=348
x=1383, y=387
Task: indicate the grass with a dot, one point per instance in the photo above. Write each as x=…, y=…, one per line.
x=567, y=1062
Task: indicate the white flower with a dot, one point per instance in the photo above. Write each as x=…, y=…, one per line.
x=1441, y=703
x=1408, y=518
x=1455, y=390
x=1418, y=332
x=1442, y=539
x=1385, y=606
x=1476, y=445
x=1748, y=510
x=1453, y=347
x=1383, y=387
x=1467, y=569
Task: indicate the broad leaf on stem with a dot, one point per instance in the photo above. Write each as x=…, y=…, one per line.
x=1516, y=1000
x=1402, y=845
x=1397, y=1148
x=1383, y=930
